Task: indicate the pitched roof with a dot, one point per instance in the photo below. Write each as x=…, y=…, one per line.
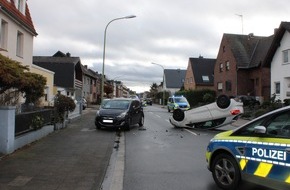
x=174, y=78
x=58, y=57
x=284, y=26
x=202, y=67
x=248, y=50
x=10, y=10
x=64, y=68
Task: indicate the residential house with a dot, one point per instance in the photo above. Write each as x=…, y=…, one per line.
x=90, y=89
x=278, y=59
x=199, y=74
x=173, y=80
x=239, y=68
x=68, y=78
x=16, y=38
x=17, y=31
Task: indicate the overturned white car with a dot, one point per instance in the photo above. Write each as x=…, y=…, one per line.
x=222, y=112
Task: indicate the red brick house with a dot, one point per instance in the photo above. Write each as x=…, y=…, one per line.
x=199, y=74
x=239, y=67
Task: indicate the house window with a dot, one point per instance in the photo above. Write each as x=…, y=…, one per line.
x=285, y=56
x=228, y=86
x=221, y=67
x=227, y=65
x=220, y=86
x=191, y=80
x=19, y=45
x=205, y=78
x=21, y=6
x=4, y=35
x=46, y=92
x=277, y=87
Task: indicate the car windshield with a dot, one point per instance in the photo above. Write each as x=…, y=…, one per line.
x=116, y=104
x=180, y=100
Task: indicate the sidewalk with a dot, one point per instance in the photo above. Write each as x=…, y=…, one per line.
x=74, y=158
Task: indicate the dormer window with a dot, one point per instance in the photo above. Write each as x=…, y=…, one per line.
x=20, y=4
x=205, y=78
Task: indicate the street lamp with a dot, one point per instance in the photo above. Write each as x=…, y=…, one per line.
x=104, y=51
x=163, y=103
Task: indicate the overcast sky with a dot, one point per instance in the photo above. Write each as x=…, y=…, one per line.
x=164, y=32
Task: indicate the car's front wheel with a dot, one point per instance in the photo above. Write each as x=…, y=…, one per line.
x=225, y=171
x=98, y=126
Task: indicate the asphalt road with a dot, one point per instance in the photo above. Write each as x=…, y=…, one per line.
x=160, y=157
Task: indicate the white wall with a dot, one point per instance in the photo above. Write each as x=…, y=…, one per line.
x=280, y=72
x=13, y=29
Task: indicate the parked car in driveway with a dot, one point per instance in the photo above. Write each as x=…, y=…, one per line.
x=119, y=113
x=222, y=112
x=248, y=100
x=258, y=151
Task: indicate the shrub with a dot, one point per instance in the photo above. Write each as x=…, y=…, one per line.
x=198, y=97
x=287, y=102
x=37, y=122
x=63, y=104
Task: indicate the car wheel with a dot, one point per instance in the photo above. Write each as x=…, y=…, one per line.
x=223, y=101
x=127, y=128
x=141, y=122
x=225, y=171
x=178, y=115
x=98, y=126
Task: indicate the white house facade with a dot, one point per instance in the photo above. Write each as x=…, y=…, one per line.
x=280, y=67
x=16, y=34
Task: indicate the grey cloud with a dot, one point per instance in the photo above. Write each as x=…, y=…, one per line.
x=165, y=32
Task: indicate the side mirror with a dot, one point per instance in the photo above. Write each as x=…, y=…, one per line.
x=260, y=130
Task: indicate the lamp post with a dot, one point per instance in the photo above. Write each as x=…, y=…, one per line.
x=163, y=103
x=104, y=52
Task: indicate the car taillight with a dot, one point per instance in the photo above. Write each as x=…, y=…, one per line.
x=235, y=112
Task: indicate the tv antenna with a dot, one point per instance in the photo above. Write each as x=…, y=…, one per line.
x=242, y=20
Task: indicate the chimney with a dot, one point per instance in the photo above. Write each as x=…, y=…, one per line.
x=250, y=36
x=68, y=54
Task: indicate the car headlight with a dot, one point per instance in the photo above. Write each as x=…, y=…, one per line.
x=122, y=115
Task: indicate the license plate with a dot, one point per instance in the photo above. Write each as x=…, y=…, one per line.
x=107, y=121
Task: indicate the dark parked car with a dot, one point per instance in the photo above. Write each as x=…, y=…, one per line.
x=119, y=113
x=149, y=101
x=248, y=100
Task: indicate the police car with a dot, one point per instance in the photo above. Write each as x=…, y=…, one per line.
x=258, y=151
x=177, y=102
